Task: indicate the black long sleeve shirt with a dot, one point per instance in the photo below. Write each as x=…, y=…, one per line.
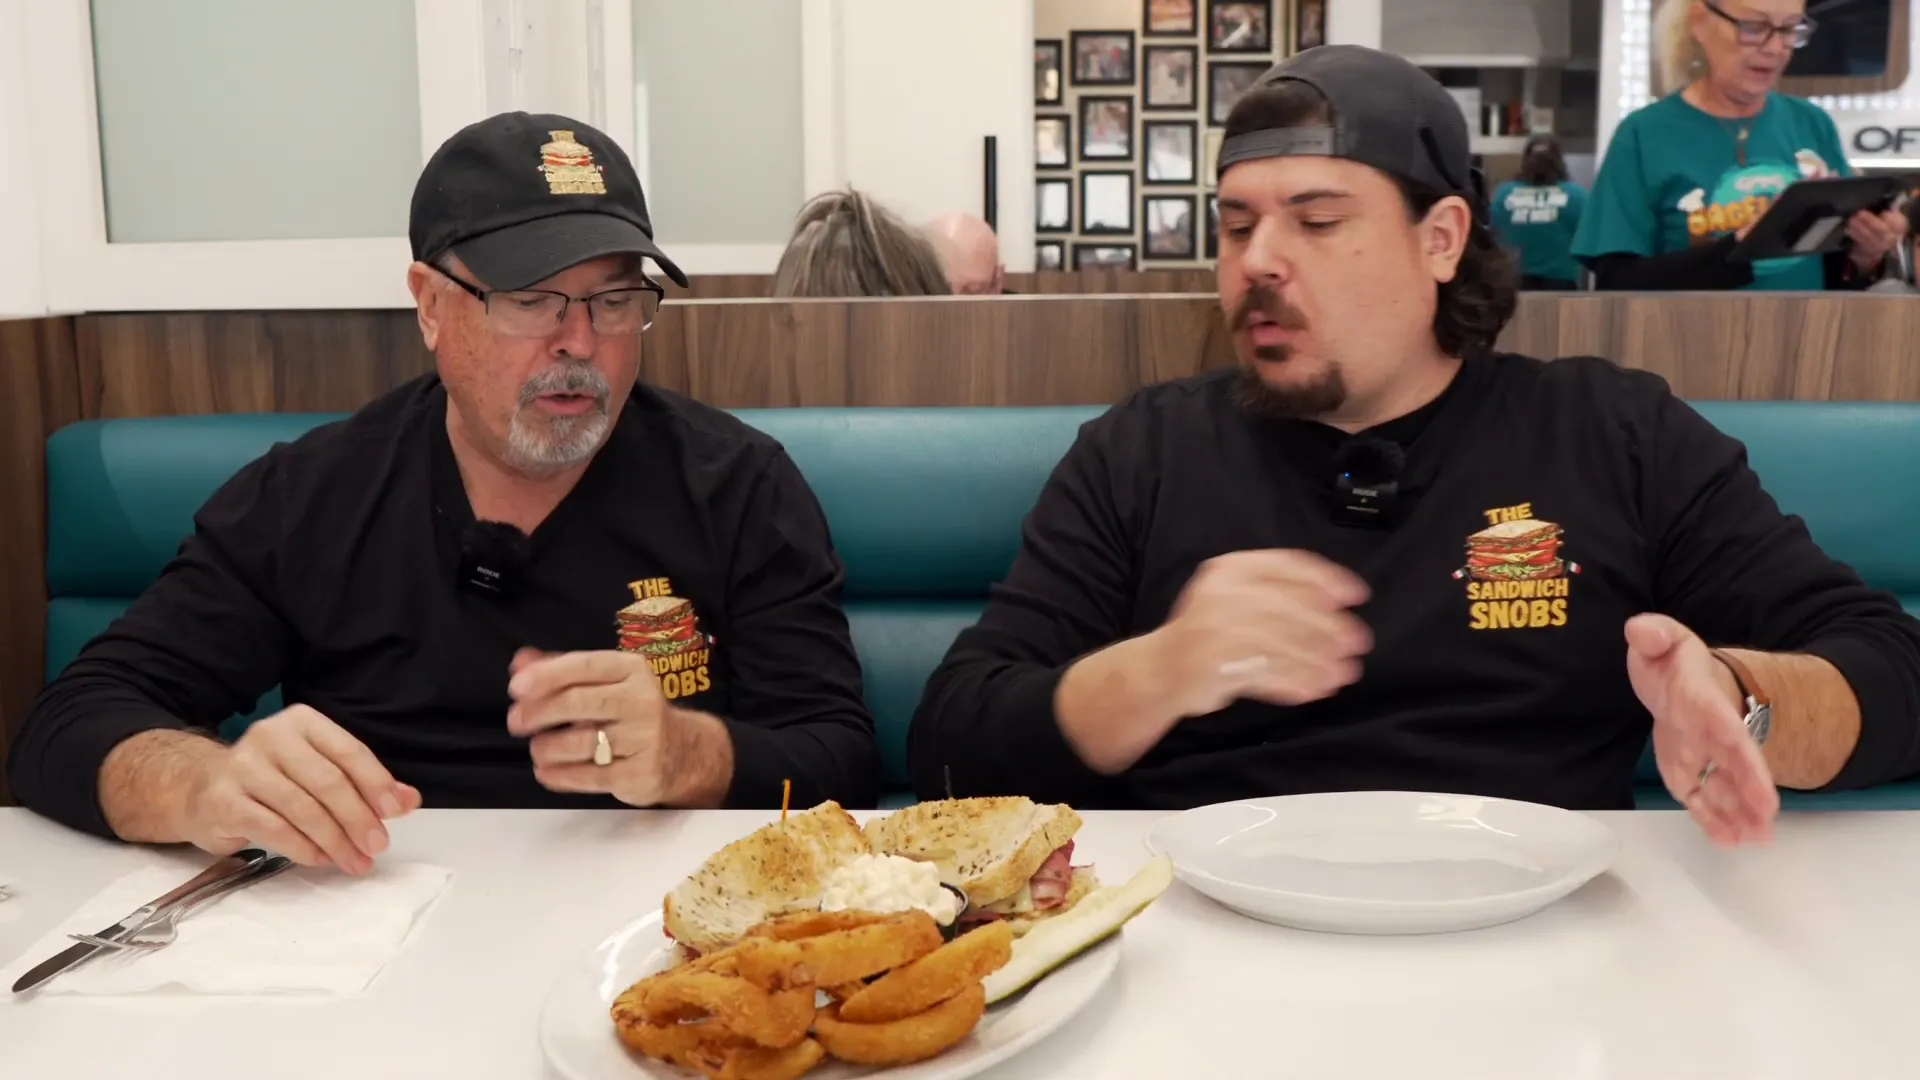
x=329, y=567
x=1610, y=496
x=1706, y=267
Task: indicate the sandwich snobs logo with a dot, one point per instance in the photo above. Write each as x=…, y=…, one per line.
x=1515, y=576
x=664, y=628
x=569, y=167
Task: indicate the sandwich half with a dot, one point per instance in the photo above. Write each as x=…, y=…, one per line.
x=775, y=870
x=1013, y=857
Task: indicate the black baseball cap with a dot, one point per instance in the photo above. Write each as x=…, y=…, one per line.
x=520, y=197
x=1384, y=112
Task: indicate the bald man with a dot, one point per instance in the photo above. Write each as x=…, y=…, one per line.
x=969, y=253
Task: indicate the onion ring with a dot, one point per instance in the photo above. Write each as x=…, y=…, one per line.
x=775, y=1020
x=926, y=982
x=842, y=956
x=915, y=1038
x=808, y=924
x=756, y=1062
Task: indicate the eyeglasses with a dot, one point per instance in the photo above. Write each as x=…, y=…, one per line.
x=1760, y=31
x=535, y=313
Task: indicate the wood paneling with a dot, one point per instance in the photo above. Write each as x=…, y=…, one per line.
x=724, y=287
x=1033, y=349
x=244, y=361
x=1140, y=282
x=39, y=389
x=760, y=286
x=1756, y=346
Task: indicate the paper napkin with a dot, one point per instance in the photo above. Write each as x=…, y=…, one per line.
x=299, y=932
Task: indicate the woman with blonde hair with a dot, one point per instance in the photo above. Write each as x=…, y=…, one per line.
x=845, y=244
x=1686, y=177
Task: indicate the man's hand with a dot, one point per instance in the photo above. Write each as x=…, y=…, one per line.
x=1874, y=236
x=1269, y=625
x=563, y=702
x=1697, y=719
x=297, y=783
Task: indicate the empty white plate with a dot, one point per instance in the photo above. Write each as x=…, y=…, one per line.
x=1384, y=862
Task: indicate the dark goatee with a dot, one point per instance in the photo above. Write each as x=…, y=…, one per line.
x=1324, y=394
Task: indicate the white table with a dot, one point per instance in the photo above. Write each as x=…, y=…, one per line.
x=1800, y=961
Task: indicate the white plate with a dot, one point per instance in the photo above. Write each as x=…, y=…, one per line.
x=577, y=1036
x=1384, y=862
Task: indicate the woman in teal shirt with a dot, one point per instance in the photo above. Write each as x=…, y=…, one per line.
x=1686, y=177
x=1537, y=214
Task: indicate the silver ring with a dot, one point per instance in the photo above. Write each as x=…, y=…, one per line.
x=602, y=749
x=1705, y=772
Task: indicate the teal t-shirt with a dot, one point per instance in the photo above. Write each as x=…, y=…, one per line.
x=1672, y=178
x=1538, y=221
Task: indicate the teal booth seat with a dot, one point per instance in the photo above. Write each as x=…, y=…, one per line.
x=925, y=506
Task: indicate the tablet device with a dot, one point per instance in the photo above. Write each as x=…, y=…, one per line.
x=1810, y=217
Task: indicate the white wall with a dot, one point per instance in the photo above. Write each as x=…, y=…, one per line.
x=21, y=293
x=919, y=86
x=1355, y=22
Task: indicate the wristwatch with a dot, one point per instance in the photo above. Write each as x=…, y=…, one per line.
x=1759, y=716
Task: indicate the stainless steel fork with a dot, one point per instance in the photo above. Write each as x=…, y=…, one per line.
x=160, y=932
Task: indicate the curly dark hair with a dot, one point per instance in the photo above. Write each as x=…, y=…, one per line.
x=1480, y=300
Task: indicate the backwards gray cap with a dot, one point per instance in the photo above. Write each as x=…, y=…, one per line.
x=1385, y=113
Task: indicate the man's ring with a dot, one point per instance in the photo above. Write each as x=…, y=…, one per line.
x=602, y=749
x=1706, y=772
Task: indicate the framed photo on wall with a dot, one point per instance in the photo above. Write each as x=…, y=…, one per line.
x=1106, y=128
x=1103, y=256
x=1173, y=76
x=1226, y=81
x=1050, y=255
x=1053, y=205
x=1213, y=225
x=1102, y=57
x=1046, y=71
x=1240, y=26
x=1172, y=146
x=1172, y=18
x=1052, y=142
x=1169, y=229
x=1106, y=202
x=1310, y=24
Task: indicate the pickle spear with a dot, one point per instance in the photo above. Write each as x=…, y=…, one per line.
x=1096, y=917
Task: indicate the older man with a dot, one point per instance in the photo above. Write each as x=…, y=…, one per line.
x=1379, y=555
x=969, y=254
x=526, y=580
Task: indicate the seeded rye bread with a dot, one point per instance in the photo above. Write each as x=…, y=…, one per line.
x=989, y=847
x=776, y=870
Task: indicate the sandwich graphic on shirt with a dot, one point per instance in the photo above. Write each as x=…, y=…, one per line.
x=1525, y=550
x=659, y=626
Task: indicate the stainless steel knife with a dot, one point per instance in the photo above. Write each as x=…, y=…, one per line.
x=239, y=862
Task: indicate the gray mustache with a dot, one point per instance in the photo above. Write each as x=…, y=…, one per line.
x=572, y=379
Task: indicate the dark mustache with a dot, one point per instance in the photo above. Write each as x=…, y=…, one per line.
x=1261, y=300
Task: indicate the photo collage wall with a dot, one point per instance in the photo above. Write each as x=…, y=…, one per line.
x=1127, y=126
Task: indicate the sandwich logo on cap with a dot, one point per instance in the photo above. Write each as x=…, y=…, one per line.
x=569, y=167
x=665, y=629
x=1516, y=578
